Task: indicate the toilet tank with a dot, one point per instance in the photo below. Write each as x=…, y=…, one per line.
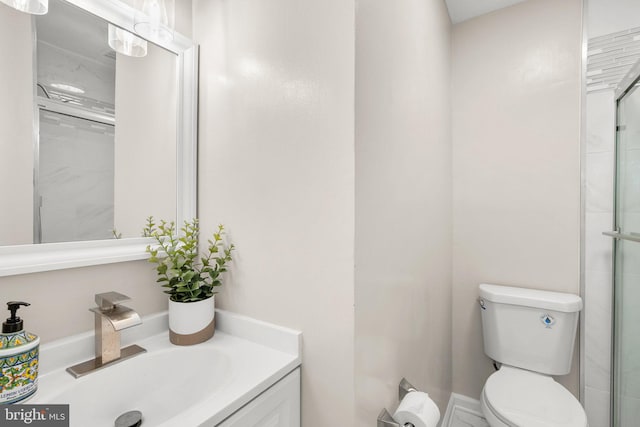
x=529, y=328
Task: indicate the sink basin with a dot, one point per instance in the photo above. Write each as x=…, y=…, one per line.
x=181, y=377
x=171, y=385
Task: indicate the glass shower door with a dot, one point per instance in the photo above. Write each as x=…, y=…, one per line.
x=75, y=175
x=626, y=356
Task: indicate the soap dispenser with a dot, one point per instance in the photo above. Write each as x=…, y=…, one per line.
x=18, y=358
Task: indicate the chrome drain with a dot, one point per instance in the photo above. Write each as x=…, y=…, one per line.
x=129, y=419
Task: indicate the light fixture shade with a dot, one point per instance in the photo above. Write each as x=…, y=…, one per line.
x=122, y=41
x=155, y=19
x=34, y=7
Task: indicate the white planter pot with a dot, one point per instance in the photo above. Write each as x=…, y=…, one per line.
x=191, y=322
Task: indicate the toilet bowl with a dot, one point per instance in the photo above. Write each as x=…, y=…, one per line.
x=514, y=397
x=532, y=334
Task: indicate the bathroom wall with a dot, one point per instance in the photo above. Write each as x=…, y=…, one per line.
x=516, y=165
x=61, y=299
x=610, y=16
x=403, y=203
x=146, y=101
x=276, y=166
x=16, y=128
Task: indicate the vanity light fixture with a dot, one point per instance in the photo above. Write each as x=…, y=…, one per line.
x=155, y=19
x=122, y=41
x=34, y=7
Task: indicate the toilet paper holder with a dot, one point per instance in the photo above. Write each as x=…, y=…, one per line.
x=385, y=419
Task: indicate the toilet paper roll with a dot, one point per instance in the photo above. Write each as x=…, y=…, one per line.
x=418, y=409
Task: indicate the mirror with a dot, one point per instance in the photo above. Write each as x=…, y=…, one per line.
x=92, y=141
x=106, y=152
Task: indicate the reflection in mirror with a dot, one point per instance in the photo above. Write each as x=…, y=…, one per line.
x=105, y=126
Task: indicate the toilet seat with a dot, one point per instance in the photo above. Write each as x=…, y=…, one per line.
x=520, y=398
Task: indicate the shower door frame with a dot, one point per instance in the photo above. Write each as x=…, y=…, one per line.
x=625, y=86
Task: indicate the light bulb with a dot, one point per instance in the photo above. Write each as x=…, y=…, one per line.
x=124, y=42
x=155, y=19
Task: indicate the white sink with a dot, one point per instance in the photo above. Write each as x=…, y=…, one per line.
x=160, y=384
x=171, y=385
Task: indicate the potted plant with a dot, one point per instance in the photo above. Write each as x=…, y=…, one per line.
x=190, y=279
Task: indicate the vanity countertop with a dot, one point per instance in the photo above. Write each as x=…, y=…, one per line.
x=171, y=385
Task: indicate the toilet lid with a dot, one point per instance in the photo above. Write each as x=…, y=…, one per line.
x=527, y=399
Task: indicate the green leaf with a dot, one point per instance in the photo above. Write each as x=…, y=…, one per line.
x=172, y=272
x=188, y=276
x=182, y=272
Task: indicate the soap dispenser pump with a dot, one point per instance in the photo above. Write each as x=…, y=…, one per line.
x=19, y=351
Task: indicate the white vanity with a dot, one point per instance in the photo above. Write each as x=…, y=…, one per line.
x=248, y=374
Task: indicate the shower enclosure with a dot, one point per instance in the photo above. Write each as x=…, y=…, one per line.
x=626, y=335
x=74, y=173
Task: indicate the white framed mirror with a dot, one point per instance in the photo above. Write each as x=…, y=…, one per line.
x=93, y=141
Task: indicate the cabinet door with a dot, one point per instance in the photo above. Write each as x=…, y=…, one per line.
x=279, y=406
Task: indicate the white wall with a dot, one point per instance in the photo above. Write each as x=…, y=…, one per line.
x=611, y=16
x=276, y=166
x=403, y=203
x=16, y=128
x=60, y=300
x=184, y=17
x=145, y=140
x=516, y=171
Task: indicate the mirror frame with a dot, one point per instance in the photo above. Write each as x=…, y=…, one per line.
x=23, y=259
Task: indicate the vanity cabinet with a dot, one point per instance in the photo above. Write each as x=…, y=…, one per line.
x=278, y=406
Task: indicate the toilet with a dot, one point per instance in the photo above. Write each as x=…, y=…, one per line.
x=531, y=335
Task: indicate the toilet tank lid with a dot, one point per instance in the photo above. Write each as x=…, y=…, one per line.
x=557, y=301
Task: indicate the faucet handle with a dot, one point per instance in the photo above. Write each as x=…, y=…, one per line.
x=109, y=300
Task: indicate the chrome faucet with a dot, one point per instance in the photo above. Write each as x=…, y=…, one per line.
x=110, y=319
